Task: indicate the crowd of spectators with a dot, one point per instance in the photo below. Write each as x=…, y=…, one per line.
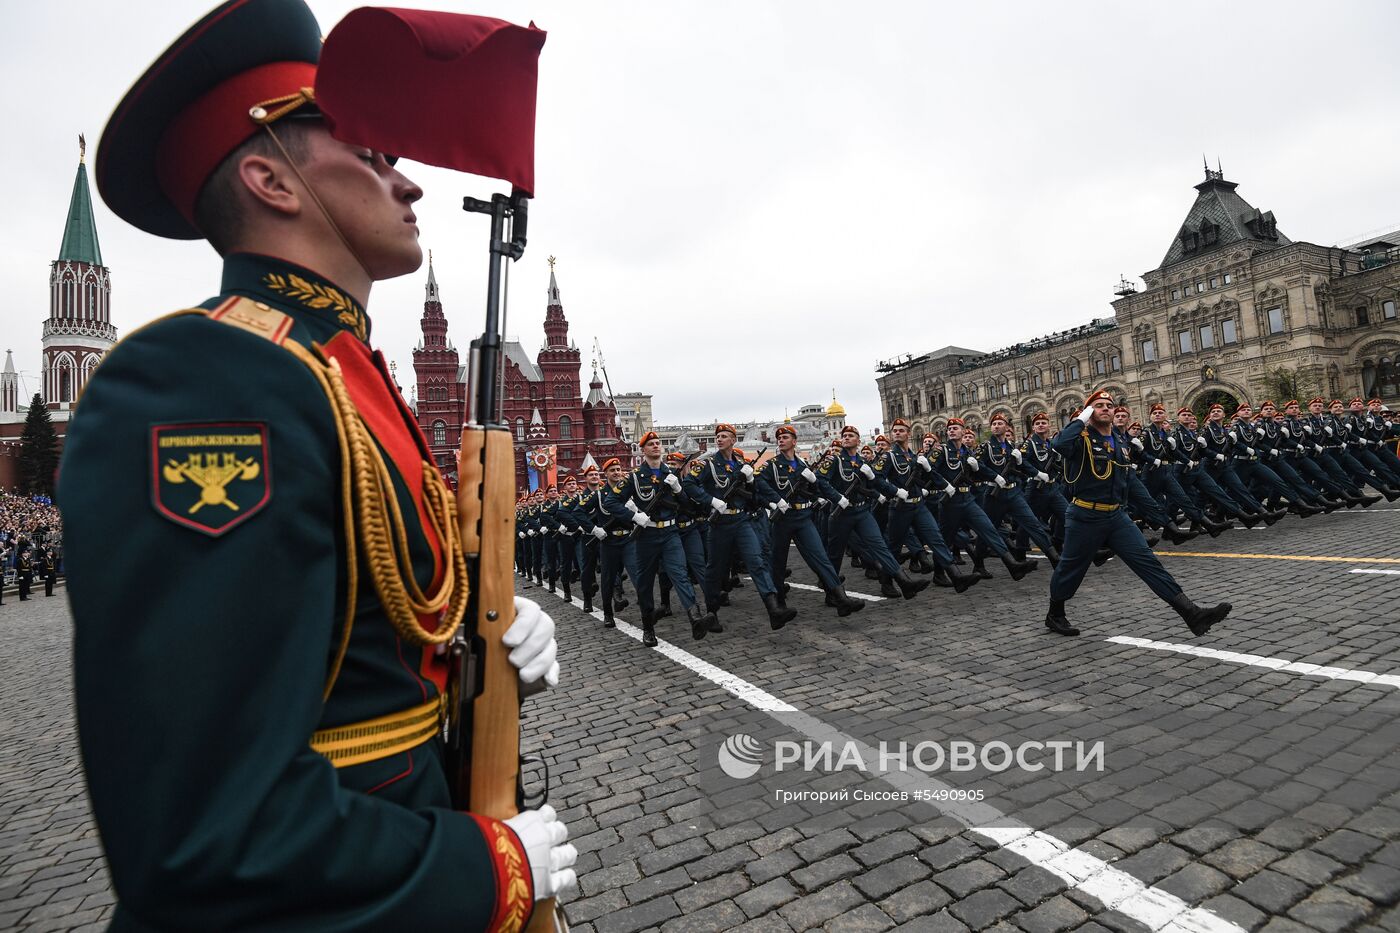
x=28, y=521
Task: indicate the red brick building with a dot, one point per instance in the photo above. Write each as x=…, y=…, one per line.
x=542, y=399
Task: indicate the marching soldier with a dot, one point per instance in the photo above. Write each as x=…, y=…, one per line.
x=1042, y=490
x=725, y=484
x=591, y=516
x=690, y=525
x=955, y=469
x=1142, y=505
x=1162, y=471
x=788, y=484
x=1096, y=469
x=1367, y=440
x=615, y=548
x=1001, y=455
x=1248, y=451
x=269, y=756
x=848, y=482
x=650, y=496
x=1220, y=439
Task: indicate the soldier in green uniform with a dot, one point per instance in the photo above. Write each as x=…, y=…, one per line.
x=259, y=722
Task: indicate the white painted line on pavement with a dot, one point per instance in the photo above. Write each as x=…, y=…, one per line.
x=1255, y=660
x=1392, y=573
x=816, y=589
x=1113, y=887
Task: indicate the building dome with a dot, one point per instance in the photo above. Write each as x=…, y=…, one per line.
x=835, y=409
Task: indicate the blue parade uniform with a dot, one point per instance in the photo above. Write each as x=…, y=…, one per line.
x=789, y=486
x=656, y=545
x=956, y=467
x=849, y=483
x=1002, y=459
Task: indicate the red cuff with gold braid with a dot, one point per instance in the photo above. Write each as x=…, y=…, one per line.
x=515, y=891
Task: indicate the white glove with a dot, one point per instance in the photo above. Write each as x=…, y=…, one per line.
x=673, y=482
x=866, y=471
x=718, y=504
x=1220, y=456
x=1086, y=414
x=902, y=494
x=808, y=475
x=783, y=505
x=520, y=535
x=881, y=499
x=1317, y=447
x=531, y=640
x=542, y=834
x=641, y=519
x=1016, y=453
x=1042, y=476
x=631, y=506
x=972, y=462
x=1249, y=450
x=1234, y=435
x=1328, y=429
x=1000, y=480
x=1171, y=441
x=1274, y=452
x=1136, y=442
x=923, y=462
x=922, y=492
x=531, y=532
x=1308, y=428
x=747, y=471
x=1156, y=461
x=1364, y=442
x=1285, y=432
x=599, y=533
x=843, y=502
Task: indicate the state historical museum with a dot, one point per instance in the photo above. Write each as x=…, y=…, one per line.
x=541, y=399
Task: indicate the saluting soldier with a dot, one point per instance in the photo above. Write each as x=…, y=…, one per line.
x=1096, y=466
x=269, y=756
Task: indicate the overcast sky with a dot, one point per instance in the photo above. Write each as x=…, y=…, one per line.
x=752, y=203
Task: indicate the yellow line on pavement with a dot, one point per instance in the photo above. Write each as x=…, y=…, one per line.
x=1310, y=557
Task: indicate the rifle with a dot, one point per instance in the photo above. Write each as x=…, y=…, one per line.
x=483, y=712
x=748, y=489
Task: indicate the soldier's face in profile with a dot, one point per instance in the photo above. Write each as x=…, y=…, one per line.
x=370, y=200
x=786, y=442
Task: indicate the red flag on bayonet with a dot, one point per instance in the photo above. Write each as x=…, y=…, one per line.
x=445, y=89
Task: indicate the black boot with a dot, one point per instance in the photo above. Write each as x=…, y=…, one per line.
x=1271, y=518
x=648, y=630
x=700, y=622
x=619, y=601
x=872, y=572
x=608, y=620
x=1213, y=528
x=1056, y=620
x=1303, y=510
x=778, y=615
x=1391, y=494
x=724, y=597
x=908, y=586
x=1102, y=556
x=979, y=567
x=1199, y=620
x=962, y=582
x=843, y=603
x=1018, y=552
x=552, y=587
x=923, y=562
x=1250, y=519
x=663, y=611
x=887, y=587
x=940, y=577
x=1331, y=505
x=587, y=600
x=1367, y=501
x=1017, y=568
x=1053, y=556
x=1176, y=534
x=1151, y=537
x=568, y=596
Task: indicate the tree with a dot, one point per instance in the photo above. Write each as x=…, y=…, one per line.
x=38, y=450
x=1282, y=384
x=1214, y=397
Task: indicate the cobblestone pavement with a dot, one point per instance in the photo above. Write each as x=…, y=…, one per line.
x=1253, y=786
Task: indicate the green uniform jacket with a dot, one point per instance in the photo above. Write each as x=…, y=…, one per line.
x=199, y=686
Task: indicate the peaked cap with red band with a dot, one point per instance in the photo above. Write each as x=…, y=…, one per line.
x=391, y=80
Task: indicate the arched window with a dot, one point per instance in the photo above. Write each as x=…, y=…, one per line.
x=65, y=382
x=561, y=391
x=1388, y=377
x=566, y=427
x=520, y=429
x=534, y=393
x=440, y=433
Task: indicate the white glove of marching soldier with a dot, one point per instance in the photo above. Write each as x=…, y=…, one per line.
x=866, y=471
x=1234, y=435
x=542, y=834
x=1249, y=450
x=783, y=505
x=1220, y=456
x=881, y=499
x=1328, y=429
x=1137, y=442
x=747, y=471
x=808, y=475
x=599, y=533
x=1000, y=480
x=1307, y=429
x=902, y=494
x=1043, y=477
x=1317, y=447
x=972, y=463
x=1015, y=452
x=950, y=489
x=631, y=506
x=718, y=504
x=520, y=535
x=531, y=640
x=1285, y=432
x=1172, y=441
x=1157, y=461
x=843, y=502
x=923, y=462
x=673, y=482
x=641, y=519
x=530, y=532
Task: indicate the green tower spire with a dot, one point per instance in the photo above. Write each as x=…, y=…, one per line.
x=80, y=232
